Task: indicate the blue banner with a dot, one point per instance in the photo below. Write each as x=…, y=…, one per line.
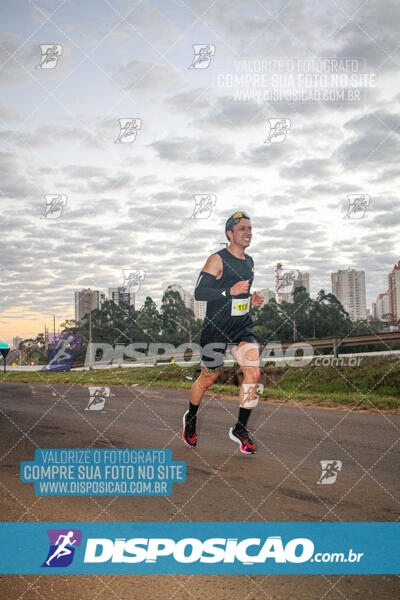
x=99, y=472
x=209, y=548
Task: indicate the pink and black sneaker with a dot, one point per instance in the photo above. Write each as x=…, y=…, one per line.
x=240, y=435
x=189, y=435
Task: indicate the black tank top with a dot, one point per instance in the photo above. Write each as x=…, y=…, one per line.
x=226, y=319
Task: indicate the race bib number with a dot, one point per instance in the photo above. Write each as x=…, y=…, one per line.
x=240, y=306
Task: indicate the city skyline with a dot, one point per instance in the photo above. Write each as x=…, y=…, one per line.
x=199, y=309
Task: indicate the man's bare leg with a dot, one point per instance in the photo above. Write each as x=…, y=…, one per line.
x=202, y=383
x=206, y=378
x=248, y=358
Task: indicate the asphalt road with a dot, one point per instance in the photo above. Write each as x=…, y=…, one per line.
x=279, y=483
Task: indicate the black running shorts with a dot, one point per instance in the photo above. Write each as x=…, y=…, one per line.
x=212, y=352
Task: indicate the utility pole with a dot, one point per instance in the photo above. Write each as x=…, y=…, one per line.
x=54, y=325
x=90, y=338
x=278, y=282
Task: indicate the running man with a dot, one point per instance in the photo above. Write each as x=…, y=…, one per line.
x=62, y=549
x=225, y=283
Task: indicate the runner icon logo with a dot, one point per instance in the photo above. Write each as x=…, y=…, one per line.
x=98, y=397
x=251, y=394
x=203, y=54
x=330, y=470
x=61, y=351
x=128, y=129
x=50, y=53
x=62, y=547
x=358, y=204
x=204, y=203
x=278, y=129
x=132, y=280
x=55, y=204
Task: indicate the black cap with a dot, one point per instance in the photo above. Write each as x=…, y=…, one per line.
x=234, y=219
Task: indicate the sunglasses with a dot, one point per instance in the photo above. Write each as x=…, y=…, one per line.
x=240, y=215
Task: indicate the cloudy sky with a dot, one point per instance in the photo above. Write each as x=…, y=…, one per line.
x=203, y=131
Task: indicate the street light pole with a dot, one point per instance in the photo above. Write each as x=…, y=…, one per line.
x=90, y=339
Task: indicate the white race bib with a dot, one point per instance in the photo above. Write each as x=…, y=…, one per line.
x=240, y=306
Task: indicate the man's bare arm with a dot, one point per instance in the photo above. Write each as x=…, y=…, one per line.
x=214, y=266
x=206, y=286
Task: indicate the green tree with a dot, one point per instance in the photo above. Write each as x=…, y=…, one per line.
x=333, y=320
x=268, y=322
x=150, y=321
x=302, y=319
x=178, y=320
x=28, y=350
